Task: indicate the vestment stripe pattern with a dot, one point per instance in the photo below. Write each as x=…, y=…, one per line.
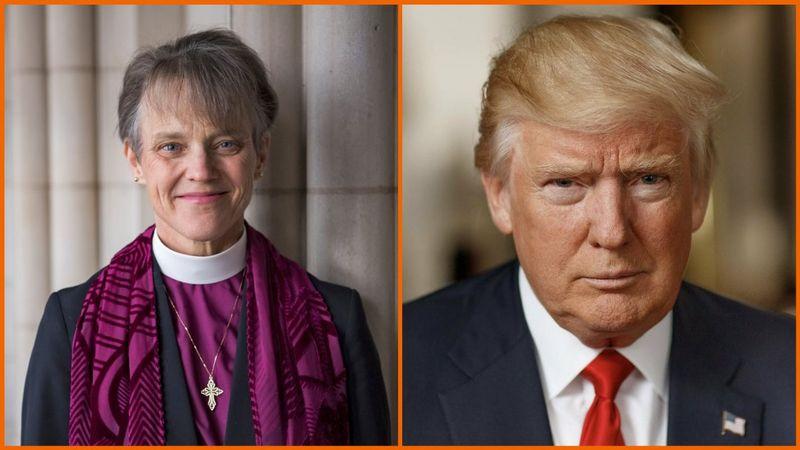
x=296, y=370
x=316, y=412
x=130, y=407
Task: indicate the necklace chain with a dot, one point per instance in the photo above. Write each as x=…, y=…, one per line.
x=211, y=389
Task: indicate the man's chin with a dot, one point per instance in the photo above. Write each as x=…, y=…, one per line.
x=608, y=333
x=609, y=340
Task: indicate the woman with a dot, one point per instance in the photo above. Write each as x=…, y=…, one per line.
x=199, y=331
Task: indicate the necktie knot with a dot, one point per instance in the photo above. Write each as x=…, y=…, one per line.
x=602, y=425
x=607, y=372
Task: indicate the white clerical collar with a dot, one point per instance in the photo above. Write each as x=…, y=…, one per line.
x=562, y=356
x=200, y=269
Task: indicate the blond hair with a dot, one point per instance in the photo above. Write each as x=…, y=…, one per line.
x=597, y=75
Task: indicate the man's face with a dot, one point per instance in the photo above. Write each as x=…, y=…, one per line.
x=602, y=225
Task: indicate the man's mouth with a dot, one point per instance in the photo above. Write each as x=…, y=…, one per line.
x=613, y=280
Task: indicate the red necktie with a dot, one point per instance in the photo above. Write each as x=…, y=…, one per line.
x=602, y=423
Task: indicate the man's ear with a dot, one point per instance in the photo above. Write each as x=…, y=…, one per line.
x=497, y=195
x=133, y=161
x=700, y=195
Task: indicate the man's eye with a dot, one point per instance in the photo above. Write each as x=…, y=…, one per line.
x=651, y=178
x=563, y=182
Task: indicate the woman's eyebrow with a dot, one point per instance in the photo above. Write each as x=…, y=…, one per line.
x=165, y=135
x=229, y=132
x=161, y=135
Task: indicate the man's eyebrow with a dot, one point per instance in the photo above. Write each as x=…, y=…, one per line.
x=562, y=170
x=649, y=163
x=640, y=164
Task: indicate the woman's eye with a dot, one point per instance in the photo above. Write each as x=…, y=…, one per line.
x=170, y=148
x=228, y=146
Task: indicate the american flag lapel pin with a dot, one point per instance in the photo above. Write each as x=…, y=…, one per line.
x=731, y=423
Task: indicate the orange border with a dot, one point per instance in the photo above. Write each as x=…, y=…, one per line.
x=3, y=203
x=399, y=225
x=598, y=2
x=199, y=2
x=796, y=233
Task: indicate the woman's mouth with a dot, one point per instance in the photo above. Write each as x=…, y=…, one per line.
x=201, y=197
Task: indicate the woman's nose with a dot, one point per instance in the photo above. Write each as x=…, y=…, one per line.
x=200, y=165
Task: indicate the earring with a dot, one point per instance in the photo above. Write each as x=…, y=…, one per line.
x=135, y=179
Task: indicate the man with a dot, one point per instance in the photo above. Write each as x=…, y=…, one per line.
x=596, y=156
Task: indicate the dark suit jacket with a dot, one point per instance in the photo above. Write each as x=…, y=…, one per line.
x=45, y=405
x=471, y=377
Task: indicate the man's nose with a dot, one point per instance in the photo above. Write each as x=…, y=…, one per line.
x=608, y=216
x=200, y=164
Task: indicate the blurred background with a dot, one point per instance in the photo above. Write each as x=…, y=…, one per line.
x=328, y=195
x=744, y=250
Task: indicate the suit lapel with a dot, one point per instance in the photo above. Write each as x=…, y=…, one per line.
x=700, y=372
x=177, y=410
x=492, y=393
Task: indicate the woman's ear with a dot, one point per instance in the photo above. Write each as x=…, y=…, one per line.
x=133, y=162
x=261, y=153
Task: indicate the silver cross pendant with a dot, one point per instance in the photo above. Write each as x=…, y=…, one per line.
x=211, y=391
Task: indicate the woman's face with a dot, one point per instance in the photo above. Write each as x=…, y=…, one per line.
x=199, y=178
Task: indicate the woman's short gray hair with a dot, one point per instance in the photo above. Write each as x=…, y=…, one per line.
x=224, y=80
x=597, y=75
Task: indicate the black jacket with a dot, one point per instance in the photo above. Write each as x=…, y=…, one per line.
x=45, y=405
x=471, y=375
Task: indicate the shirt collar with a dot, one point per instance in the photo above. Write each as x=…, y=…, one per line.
x=562, y=356
x=200, y=269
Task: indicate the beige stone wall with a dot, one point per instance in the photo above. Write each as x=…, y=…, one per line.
x=328, y=195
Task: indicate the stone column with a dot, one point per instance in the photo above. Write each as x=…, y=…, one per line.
x=349, y=68
x=203, y=17
x=278, y=204
x=159, y=23
x=27, y=282
x=72, y=151
x=120, y=218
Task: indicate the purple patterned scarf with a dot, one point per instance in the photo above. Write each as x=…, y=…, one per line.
x=296, y=373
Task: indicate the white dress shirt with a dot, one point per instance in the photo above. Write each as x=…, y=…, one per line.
x=200, y=269
x=642, y=398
